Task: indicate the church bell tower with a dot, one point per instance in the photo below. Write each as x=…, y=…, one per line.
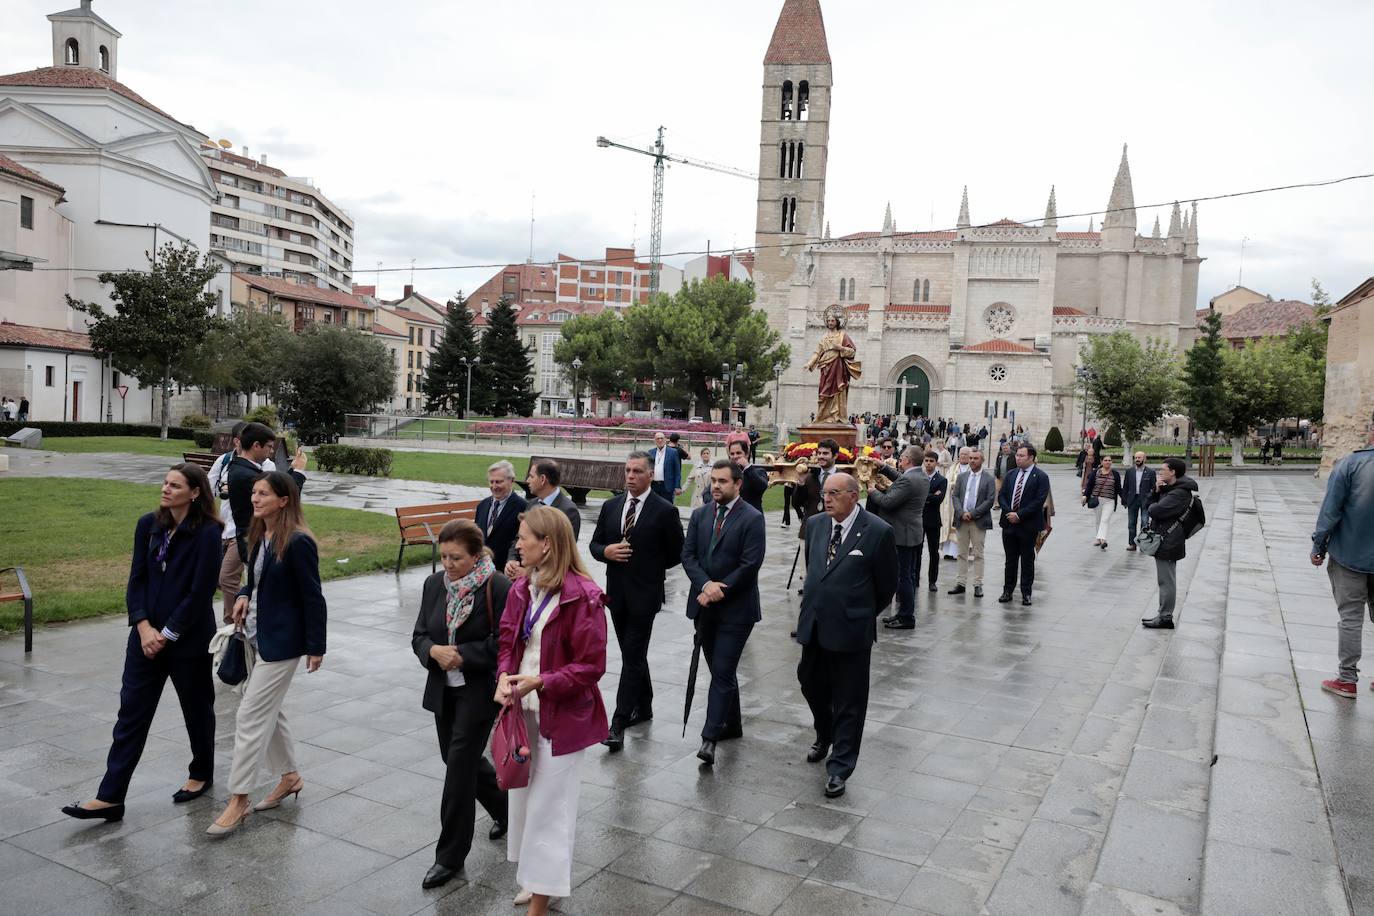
x=82, y=39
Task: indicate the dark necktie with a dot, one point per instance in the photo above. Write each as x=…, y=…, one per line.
x=835, y=535
x=491, y=519
x=1016, y=496
x=629, y=518
x=721, y=512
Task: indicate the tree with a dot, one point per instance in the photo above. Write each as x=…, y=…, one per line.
x=1205, y=392
x=1131, y=385
x=1265, y=381
x=160, y=316
x=1054, y=440
x=506, y=372
x=682, y=342
x=599, y=342
x=445, y=382
x=242, y=354
x=330, y=372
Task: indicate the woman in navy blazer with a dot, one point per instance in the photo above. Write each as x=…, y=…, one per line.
x=170, y=597
x=282, y=612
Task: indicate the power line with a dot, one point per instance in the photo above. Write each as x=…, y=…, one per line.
x=1321, y=183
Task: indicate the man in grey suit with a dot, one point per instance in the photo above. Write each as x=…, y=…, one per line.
x=974, y=494
x=542, y=484
x=722, y=555
x=851, y=575
x=903, y=507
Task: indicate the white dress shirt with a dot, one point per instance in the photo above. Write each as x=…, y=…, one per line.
x=639, y=507
x=971, y=484
x=659, y=454
x=846, y=525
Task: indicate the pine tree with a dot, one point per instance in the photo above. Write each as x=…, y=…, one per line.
x=506, y=370
x=445, y=383
x=1203, y=376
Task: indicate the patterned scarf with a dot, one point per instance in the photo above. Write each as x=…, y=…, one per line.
x=463, y=593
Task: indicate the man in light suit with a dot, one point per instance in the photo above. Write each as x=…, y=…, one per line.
x=1022, y=501
x=722, y=556
x=850, y=577
x=542, y=483
x=665, y=461
x=499, y=514
x=973, y=496
x=639, y=537
x=1137, y=484
x=903, y=508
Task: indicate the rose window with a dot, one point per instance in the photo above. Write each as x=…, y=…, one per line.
x=998, y=372
x=999, y=318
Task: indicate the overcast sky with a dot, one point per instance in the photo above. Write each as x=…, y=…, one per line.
x=434, y=122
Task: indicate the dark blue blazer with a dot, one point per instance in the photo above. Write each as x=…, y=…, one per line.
x=672, y=466
x=291, y=609
x=841, y=601
x=182, y=599
x=502, y=537
x=1033, y=496
x=735, y=562
x=1128, y=490
x=938, y=486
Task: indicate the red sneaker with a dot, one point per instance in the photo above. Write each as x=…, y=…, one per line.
x=1340, y=688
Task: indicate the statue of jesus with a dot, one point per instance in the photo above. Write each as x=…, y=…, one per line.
x=834, y=357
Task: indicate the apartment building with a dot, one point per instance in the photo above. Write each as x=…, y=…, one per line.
x=617, y=281
x=267, y=222
x=302, y=305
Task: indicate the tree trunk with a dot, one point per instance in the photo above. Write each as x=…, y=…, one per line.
x=1237, y=456
x=166, y=399
x=1126, y=453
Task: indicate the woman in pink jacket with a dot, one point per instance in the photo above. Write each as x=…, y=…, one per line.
x=552, y=654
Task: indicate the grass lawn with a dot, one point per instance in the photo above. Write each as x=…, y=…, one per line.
x=141, y=445
x=74, y=542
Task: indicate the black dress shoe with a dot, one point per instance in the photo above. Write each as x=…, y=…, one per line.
x=707, y=754
x=957, y=590
x=934, y=587
x=834, y=786
x=890, y=618
x=1025, y=601
x=437, y=875
x=498, y=830
x=1004, y=597
x=818, y=752
x=185, y=795
x=978, y=591
x=1158, y=623
x=112, y=813
x=900, y=624
x=615, y=741
x=638, y=718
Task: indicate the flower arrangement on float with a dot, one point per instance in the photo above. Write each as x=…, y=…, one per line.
x=798, y=450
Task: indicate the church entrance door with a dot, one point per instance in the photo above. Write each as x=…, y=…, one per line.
x=913, y=393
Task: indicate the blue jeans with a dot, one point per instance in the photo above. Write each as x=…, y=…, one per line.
x=908, y=559
x=1136, y=519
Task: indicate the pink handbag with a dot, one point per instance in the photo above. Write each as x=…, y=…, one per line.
x=510, y=748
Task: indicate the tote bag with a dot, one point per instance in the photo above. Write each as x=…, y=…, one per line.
x=510, y=748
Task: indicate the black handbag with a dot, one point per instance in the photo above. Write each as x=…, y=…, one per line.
x=1093, y=501
x=233, y=665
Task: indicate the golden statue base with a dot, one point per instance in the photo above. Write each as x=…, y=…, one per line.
x=842, y=433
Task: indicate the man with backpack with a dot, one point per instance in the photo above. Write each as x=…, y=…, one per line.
x=1175, y=514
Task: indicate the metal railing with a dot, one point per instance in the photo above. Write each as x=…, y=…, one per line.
x=418, y=430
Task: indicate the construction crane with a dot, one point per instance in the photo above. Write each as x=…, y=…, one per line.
x=661, y=158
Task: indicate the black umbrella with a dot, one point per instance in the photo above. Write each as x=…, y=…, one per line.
x=692, y=673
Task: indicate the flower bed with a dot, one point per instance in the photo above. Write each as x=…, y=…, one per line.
x=596, y=429
x=807, y=449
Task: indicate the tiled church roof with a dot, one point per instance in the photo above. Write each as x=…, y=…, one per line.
x=9, y=166
x=999, y=345
x=79, y=78
x=799, y=36
x=1266, y=319
x=23, y=335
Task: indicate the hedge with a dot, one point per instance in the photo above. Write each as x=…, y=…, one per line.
x=204, y=438
x=351, y=459
x=195, y=421
x=1054, y=440
x=58, y=428
x=265, y=414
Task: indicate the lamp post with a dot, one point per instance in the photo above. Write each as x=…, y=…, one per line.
x=729, y=375
x=1083, y=376
x=475, y=361
x=576, y=364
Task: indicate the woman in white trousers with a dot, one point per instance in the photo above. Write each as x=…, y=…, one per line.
x=1103, y=484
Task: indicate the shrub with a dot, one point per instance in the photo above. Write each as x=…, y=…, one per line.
x=352, y=459
x=1113, y=437
x=1054, y=440
x=204, y=439
x=265, y=414
x=195, y=421
x=59, y=428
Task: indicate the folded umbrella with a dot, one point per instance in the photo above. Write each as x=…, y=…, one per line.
x=692, y=675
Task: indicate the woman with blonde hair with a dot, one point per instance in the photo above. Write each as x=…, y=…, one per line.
x=699, y=489
x=552, y=654
x=282, y=612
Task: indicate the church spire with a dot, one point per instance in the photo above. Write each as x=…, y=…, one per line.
x=827, y=230
x=887, y=220
x=1118, y=225
x=799, y=36
x=1155, y=234
x=963, y=222
x=1190, y=234
x=1051, y=211
x=1175, y=223
x=1091, y=225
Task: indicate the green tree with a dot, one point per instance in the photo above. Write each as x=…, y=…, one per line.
x=506, y=371
x=160, y=316
x=1054, y=440
x=445, y=383
x=1131, y=385
x=1205, y=392
x=1266, y=381
x=330, y=372
x=682, y=342
x=599, y=342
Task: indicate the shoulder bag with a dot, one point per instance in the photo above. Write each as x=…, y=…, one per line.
x=510, y=748
x=1150, y=540
x=233, y=666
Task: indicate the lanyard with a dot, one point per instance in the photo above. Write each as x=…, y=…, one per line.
x=162, y=551
x=532, y=617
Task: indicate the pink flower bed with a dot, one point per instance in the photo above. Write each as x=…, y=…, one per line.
x=596, y=428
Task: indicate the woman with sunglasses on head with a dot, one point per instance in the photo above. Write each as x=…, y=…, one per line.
x=455, y=640
x=170, y=597
x=282, y=612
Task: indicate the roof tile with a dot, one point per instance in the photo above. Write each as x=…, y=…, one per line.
x=999, y=345
x=11, y=167
x=46, y=338
x=799, y=36
x=80, y=78
x=288, y=290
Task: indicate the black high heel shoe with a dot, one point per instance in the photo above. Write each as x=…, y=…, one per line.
x=111, y=814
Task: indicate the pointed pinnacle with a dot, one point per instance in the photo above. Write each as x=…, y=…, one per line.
x=963, y=222
x=1051, y=210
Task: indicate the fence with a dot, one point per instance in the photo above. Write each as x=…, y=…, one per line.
x=417, y=431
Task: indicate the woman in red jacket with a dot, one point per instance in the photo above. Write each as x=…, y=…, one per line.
x=552, y=654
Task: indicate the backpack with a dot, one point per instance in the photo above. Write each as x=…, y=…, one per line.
x=1194, y=519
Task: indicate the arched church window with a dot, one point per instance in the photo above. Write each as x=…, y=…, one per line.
x=842, y=289
x=916, y=292
x=925, y=291
x=851, y=289
x=786, y=113
x=73, y=53
x=782, y=159
x=801, y=152
x=789, y=215
x=105, y=58
x=803, y=100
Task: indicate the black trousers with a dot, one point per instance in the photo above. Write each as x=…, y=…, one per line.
x=1018, y=541
x=933, y=565
x=835, y=685
x=635, y=696
x=139, y=693
x=464, y=726
x=722, y=644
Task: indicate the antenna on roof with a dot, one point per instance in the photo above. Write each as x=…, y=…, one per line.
x=530, y=259
x=412, y=273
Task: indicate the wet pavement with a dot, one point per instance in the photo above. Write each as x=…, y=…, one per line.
x=1052, y=759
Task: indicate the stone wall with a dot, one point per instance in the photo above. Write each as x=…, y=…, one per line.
x=1349, y=382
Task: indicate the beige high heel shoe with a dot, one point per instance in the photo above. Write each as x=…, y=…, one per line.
x=269, y=802
x=215, y=830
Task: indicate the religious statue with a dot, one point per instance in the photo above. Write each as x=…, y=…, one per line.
x=834, y=357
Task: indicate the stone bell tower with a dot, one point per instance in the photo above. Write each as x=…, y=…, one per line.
x=80, y=38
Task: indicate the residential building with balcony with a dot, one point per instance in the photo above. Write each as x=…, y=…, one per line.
x=421, y=332
x=301, y=305
x=267, y=222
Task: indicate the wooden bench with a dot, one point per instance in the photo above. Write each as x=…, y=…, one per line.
x=23, y=594
x=579, y=475
x=205, y=460
x=422, y=524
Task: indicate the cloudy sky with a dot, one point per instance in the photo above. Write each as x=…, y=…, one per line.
x=433, y=123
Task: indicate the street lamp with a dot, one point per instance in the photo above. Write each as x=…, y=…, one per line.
x=475, y=361
x=1084, y=375
x=729, y=375
x=576, y=364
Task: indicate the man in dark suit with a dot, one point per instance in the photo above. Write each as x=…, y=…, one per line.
x=851, y=576
x=722, y=556
x=753, y=479
x=665, y=461
x=499, y=514
x=973, y=496
x=931, y=522
x=903, y=507
x=1137, y=484
x=1022, y=501
x=806, y=498
x=639, y=537
x=542, y=484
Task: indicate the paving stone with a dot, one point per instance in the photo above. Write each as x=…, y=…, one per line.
x=747, y=887
x=1082, y=794
x=1153, y=851
x=1291, y=818
x=1242, y=879
x=1048, y=873
x=934, y=890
